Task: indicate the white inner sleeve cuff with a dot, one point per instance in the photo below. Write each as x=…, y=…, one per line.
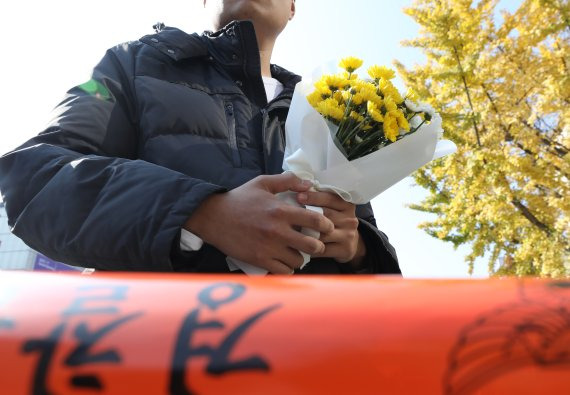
x=189, y=241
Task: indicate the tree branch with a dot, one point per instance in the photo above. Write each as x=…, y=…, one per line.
x=556, y=148
x=468, y=95
x=530, y=216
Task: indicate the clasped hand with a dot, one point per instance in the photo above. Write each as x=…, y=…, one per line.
x=251, y=224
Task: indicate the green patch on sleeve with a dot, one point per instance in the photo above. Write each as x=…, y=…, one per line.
x=97, y=89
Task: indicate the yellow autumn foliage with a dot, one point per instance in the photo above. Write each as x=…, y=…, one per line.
x=503, y=91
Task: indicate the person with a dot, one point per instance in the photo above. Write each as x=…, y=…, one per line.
x=170, y=158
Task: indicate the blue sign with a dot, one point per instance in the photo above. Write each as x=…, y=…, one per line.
x=43, y=263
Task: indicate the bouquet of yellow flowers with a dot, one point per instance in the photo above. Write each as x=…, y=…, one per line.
x=370, y=114
x=357, y=137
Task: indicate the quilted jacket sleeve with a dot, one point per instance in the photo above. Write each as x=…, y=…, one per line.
x=77, y=193
x=380, y=254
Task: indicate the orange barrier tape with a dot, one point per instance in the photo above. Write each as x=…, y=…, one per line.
x=191, y=334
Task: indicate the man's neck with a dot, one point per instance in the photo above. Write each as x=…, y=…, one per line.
x=265, y=51
x=265, y=59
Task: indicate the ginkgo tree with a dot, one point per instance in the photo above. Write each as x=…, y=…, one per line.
x=502, y=86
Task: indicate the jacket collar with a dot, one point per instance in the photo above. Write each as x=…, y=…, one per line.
x=176, y=44
x=233, y=46
x=287, y=78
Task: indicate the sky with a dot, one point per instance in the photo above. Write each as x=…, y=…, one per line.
x=51, y=46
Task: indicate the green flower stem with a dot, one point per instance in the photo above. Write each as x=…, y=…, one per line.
x=413, y=115
x=368, y=145
x=371, y=142
x=342, y=125
x=353, y=131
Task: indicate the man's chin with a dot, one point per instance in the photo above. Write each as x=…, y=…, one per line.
x=240, y=10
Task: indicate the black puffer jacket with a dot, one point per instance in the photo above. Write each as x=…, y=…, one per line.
x=163, y=123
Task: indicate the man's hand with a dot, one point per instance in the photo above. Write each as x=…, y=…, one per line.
x=344, y=243
x=251, y=224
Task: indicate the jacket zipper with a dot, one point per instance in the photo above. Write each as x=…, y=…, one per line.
x=231, y=122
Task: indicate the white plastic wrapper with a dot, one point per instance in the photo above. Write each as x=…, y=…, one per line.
x=311, y=154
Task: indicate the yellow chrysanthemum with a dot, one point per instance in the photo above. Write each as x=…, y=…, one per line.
x=334, y=82
x=338, y=96
x=389, y=90
x=356, y=116
x=381, y=72
x=315, y=98
x=357, y=99
x=376, y=99
x=373, y=112
x=402, y=121
x=385, y=85
x=370, y=92
x=390, y=126
x=350, y=63
x=359, y=85
x=367, y=91
x=395, y=95
x=323, y=88
x=331, y=109
x=390, y=104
